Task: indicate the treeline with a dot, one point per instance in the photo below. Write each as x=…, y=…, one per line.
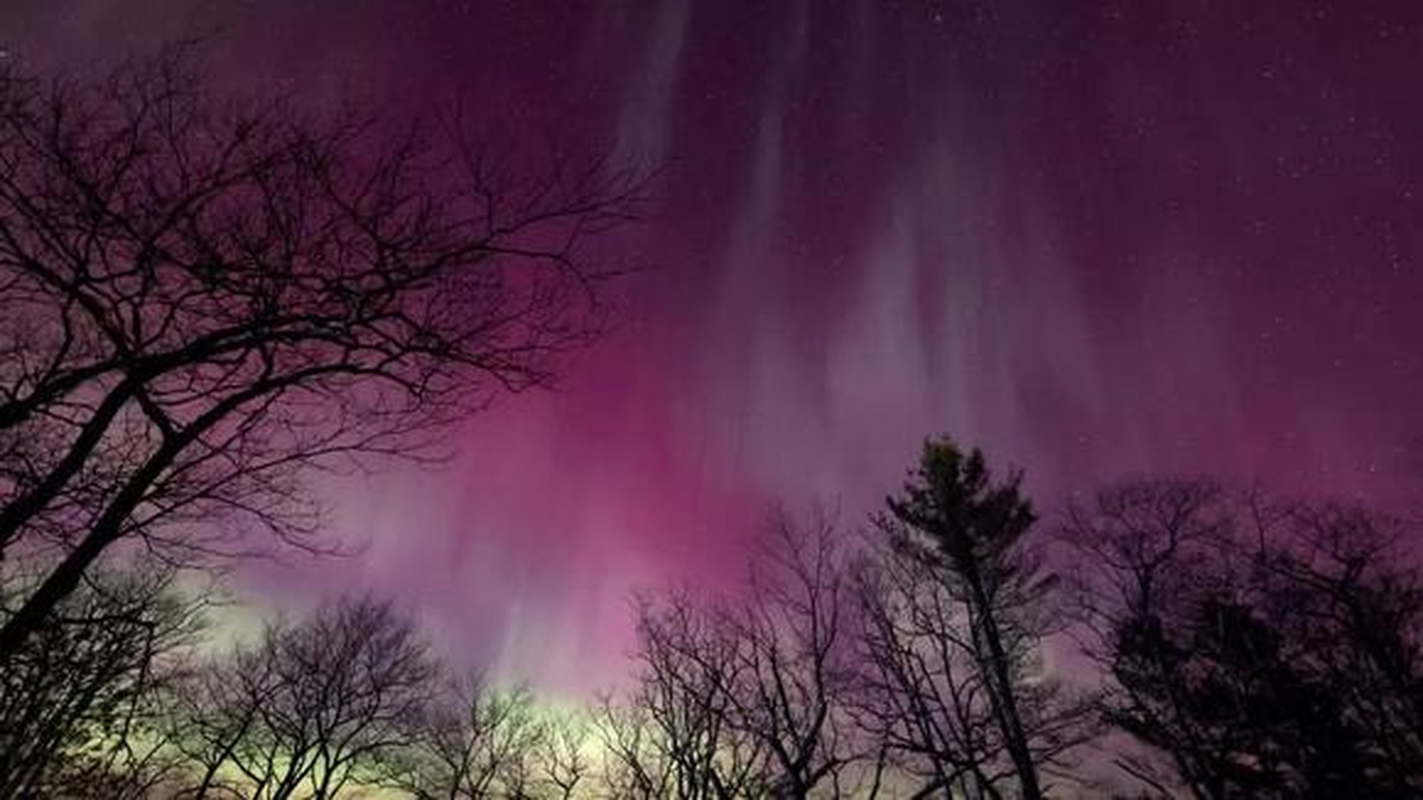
x=1210, y=642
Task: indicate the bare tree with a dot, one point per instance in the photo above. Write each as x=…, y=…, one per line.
x=635, y=762
x=202, y=299
x=215, y=720
x=673, y=734
x=477, y=742
x=81, y=704
x=564, y=764
x=311, y=707
x=793, y=630
x=745, y=695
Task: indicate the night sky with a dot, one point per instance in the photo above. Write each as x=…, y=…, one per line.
x=1099, y=239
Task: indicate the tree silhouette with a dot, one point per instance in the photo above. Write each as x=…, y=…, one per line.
x=636, y=763
x=748, y=695
x=969, y=532
x=1269, y=648
x=796, y=653
x=919, y=691
x=1246, y=646
x=564, y=764
x=477, y=742
x=311, y=707
x=676, y=736
x=81, y=705
x=203, y=298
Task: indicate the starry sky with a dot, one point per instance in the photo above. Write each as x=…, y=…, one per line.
x=1099, y=239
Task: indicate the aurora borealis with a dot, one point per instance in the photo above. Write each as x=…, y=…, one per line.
x=1097, y=239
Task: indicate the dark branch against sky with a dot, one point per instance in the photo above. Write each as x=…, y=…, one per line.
x=1097, y=239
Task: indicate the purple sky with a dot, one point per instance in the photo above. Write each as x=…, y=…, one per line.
x=1098, y=239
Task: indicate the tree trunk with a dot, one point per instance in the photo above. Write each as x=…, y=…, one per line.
x=1001, y=688
x=63, y=580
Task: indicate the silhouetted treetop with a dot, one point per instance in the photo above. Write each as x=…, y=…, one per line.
x=953, y=501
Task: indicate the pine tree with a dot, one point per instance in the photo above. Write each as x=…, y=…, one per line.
x=971, y=529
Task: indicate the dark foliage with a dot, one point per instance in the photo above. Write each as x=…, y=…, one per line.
x=1268, y=649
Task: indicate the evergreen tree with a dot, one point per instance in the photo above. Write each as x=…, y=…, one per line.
x=972, y=529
